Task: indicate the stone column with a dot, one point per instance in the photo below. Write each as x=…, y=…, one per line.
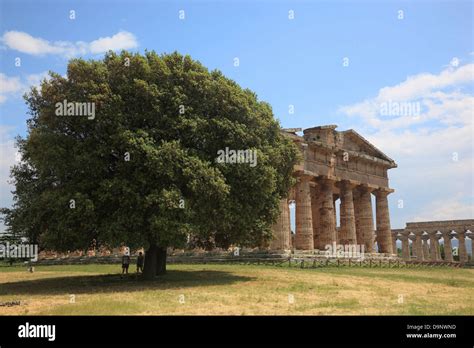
x=348, y=227
x=418, y=245
x=384, y=237
x=471, y=235
x=438, y=249
x=462, y=246
x=366, y=219
x=405, y=246
x=304, y=225
x=338, y=235
x=281, y=228
x=357, y=213
x=394, y=241
x=434, y=245
x=413, y=246
x=327, y=225
x=315, y=205
x=426, y=249
x=292, y=202
x=448, y=248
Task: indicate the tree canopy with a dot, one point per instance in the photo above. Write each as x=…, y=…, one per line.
x=143, y=171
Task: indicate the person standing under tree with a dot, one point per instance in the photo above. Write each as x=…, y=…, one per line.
x=140, y=261
x=125, y=262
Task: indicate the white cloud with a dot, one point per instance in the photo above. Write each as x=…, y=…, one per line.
x=9, y=84
x=448, y=106
x=7, y=159
x=25, y=43
x=35, y=79
x=430, y=143
x=120, y=41
x=445, y=209
x=422, y=84
x=15, y=86
x=433, y=148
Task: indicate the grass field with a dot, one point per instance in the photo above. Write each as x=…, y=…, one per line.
x=237, y=290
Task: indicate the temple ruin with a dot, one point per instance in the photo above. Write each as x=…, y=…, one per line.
x=421, y=240
x=336, y=165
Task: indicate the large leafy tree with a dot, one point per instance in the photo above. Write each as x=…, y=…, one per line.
x=143, y=171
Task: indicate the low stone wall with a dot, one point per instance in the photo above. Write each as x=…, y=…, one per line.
x=253, y=257
x=83, y=260
x=214, y=257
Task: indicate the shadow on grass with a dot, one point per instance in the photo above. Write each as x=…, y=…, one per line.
x=106, y=283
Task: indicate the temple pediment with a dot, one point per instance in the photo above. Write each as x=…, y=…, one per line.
x=353, y=141
x=346, y=141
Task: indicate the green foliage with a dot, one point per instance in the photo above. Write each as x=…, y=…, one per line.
x=143, y=171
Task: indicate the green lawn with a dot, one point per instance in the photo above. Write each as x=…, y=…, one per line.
x=236, y=290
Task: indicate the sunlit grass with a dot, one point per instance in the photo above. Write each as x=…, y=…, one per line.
x=236, y=290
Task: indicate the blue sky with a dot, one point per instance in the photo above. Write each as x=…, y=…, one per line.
x=425, y=57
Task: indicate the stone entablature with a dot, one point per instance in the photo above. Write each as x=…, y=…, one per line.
x=345, y=155
x=441, y=225
x=336, y=165
x=426, y=235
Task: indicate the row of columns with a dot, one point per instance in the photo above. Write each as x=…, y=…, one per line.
x=315, y=216
x=424, y=251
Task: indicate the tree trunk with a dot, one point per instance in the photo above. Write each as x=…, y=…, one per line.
x=155, y=262
x=150, y=267
x=161, y=261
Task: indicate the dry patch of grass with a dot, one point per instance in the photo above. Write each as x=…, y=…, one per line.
x=236, y=290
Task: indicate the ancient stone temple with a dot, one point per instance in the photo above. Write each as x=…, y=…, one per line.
x=425, y=240
x=336, y=165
